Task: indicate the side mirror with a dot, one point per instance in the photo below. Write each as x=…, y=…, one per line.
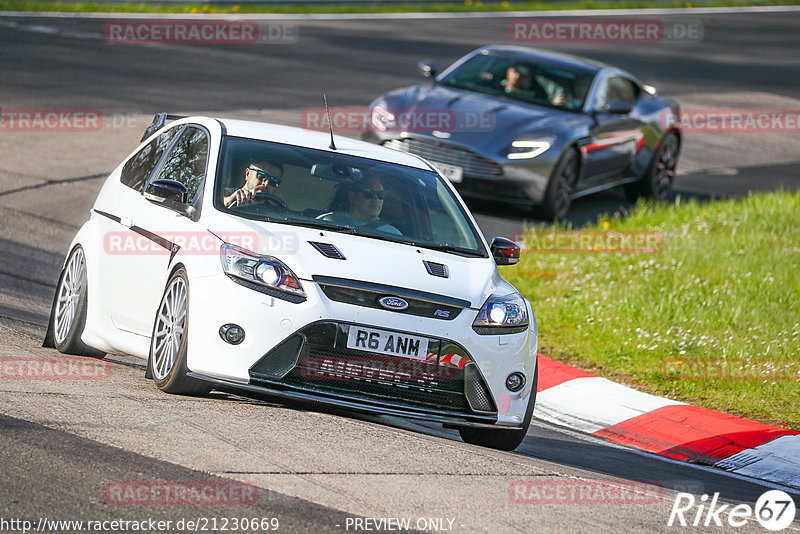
x=618, y=107
x=504, y=251
x=428, y=68
x=166, y=191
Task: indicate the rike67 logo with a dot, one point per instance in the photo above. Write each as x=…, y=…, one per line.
x=774, y=510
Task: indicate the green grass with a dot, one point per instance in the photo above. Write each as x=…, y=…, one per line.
x=712, y=319
x=376, y=7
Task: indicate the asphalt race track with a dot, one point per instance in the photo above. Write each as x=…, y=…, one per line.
x=62, y=442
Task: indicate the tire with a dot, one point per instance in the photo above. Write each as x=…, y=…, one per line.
x=504, y=440
x=168, y=344
x=68, y=314
x=656, y=183
x=557, y=197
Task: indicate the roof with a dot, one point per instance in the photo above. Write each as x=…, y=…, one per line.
x=556, y=59
x=318, y=140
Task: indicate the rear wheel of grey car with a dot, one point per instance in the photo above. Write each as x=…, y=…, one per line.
x=68, y=315
x=657, y=181
x=504, y=440
x=167, y=361
x=558, y=196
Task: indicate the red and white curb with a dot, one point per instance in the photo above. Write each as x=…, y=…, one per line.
x=585, y=402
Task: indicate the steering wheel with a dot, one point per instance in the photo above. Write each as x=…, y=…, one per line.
x=266, y=197
x=261, y=198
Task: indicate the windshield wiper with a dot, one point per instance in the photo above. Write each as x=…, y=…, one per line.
x=452, y=249
x=319, y=224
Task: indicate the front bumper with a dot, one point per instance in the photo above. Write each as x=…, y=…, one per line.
x=320, y=368
x=522, y=182
x=299, y=395
x=317, y=361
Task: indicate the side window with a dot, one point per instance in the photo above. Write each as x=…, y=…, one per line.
x=138, y=169
x=617, y=88
x=186, y=163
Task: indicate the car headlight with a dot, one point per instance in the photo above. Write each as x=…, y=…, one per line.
x=382, y=119
x=505, y=314
x=527, y=149
x=261, y=271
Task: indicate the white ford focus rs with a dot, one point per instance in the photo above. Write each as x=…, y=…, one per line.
x=277, y=260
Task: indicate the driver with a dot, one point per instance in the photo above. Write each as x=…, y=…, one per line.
x=259, y=177
x=517, y=78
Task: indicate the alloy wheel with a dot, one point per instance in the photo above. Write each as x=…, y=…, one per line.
x=169, y=330
x=69, y=294
x=664, y=172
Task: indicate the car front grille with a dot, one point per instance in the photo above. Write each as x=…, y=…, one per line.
x=317, y=359
x=471, y=163
x=421, y=383
x=367, y=295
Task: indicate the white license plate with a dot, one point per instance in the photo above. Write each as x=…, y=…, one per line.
x=391, y=343
x=452, y=172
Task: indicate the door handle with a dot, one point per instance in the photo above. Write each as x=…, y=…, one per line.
x=126, y=222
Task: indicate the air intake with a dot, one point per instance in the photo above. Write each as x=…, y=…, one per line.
x=478, y=396
x=328, y=250
x=436, y=269
x=280, y=360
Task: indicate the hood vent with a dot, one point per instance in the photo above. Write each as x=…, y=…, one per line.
x=328, y=250
x=436, y=269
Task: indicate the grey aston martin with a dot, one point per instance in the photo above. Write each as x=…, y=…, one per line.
x=534, y=128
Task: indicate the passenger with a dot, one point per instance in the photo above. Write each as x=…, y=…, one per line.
x=363, y=206
x=259, y=177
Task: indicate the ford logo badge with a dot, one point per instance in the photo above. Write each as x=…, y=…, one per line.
x=393, y=303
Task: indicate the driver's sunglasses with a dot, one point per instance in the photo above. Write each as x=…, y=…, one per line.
x=371, y=193
x=264, y=177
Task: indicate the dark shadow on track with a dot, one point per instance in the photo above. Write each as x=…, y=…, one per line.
x=566, y=448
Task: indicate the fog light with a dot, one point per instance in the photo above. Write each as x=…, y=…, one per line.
x=231, y=333
x=515, y=382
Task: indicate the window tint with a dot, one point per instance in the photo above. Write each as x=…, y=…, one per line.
x=540, y=83
x=186, y=163
x=320, y=189
x=139, y=168
x=617, y=88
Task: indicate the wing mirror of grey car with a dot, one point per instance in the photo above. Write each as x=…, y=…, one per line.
x=618, y=107
x=428, y=68
x=166, y=191
x=504, y=251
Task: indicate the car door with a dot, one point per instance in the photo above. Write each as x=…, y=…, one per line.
x=614, y=139
x=124, y=251
x=168, y=226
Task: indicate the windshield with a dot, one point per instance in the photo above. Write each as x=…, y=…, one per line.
x=289, y=184
x=523, y=80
